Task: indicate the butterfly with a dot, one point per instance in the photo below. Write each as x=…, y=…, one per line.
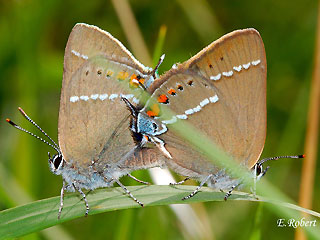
x=108, y=127
x=96, y=146
x=221, y=92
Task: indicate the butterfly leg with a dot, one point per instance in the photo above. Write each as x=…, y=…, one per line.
x=83, y=196
x=179, y=183
x=136, y=179
x=228, y=194
x=128, y=192
x=160, y=144
x=61, y=199
x=198, y=188
x=255, y=179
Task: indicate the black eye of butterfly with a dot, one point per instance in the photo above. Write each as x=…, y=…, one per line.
x=57, y=160
x=258, y=171
x=155, y=126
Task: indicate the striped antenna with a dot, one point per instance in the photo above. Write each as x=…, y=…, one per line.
x=262, y=161
x=36, y=125
x=55, y=146
x=155, y=70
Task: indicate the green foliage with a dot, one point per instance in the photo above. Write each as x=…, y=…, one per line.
x=16, y=222
x=32, y=42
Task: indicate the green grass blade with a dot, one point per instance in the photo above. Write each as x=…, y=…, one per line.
x=22, y=220
x=158, y=50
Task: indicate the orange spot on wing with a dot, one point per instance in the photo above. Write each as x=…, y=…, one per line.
x=172, y=92
x=151, y=114
x=141, y=80
x=163, y=99
x=135, y=80
x=154, y=110
x=133, y=76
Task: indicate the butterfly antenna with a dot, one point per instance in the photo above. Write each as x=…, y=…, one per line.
x=32, y=134
x=133, y=109
x=155, y=70
x=276, y=158
x=36, y=125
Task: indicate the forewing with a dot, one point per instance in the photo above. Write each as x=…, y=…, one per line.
x=87, y=41
x=98, y=71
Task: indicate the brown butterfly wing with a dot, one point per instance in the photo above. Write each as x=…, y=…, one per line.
x=86, y=41
x=219, y=98
x=97, y=71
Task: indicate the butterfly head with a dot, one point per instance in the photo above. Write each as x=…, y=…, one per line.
x=56, y=163
x=149, y=126
x=258, y=170
x=143, y=124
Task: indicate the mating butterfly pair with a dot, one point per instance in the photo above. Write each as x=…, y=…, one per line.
x=108, y=129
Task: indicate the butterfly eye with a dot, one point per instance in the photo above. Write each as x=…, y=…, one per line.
x=258, y=169
x=155, y=126
x=57, y=160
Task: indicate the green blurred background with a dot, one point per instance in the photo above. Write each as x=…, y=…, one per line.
x=33, y=35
